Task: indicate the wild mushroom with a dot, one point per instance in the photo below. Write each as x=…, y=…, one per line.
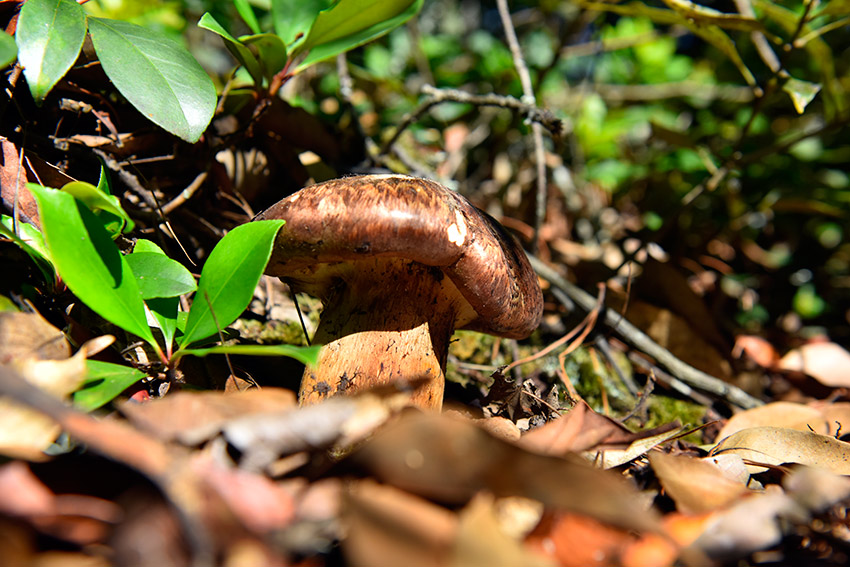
x=399, y=263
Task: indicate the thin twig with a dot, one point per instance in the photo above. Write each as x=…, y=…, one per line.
x=435, y=96
x=638, y=339
x=536, y=130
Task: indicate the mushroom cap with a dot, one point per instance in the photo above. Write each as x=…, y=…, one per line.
x=418, y=220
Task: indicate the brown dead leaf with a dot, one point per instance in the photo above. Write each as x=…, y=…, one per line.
x=826, y=362
x=260, y=505
x=262, y=438
x=30, y=336
x=578, y=541
x=386, y=527
x=13, y=184
x=696, y=485
x=481, y=541
x=756, y=349
x=777, y=414
x=195, y=417
x=451, y=460
x=752, y=524
x=778, y=445
x=837, y=416
x=580, y=429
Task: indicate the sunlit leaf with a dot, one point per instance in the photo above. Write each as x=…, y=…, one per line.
x=228, y=279
x=351, y=23
x=8, y=49
x=50, y=34
x=96, y=200
x=89, y=262
x=103, y=383
x=157, y=75
x=801, y=92
x=242, y=54
x=160, y=276
x=303, y=354
x=293, y=18
x=246, y=12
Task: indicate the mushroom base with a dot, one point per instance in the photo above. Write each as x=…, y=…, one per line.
x=385, y=323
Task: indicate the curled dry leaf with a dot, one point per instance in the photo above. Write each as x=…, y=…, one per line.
x=262, y=438
x=387, y=527
x=195, y=417
x=776, y=414
x=696, y=485
x=778, y=445
x=451, y=460
x=826, y=362
x=750, y=525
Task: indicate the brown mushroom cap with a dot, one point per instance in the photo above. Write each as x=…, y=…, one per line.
x=395, y=216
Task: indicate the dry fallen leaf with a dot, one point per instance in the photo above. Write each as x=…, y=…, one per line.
x=750, y=525
x=778, y=445
x=194, y=417
x=451, y=460
x=481, y=542
x=696, y=485
x=386, y=527
x=777, y=414
x=826, y=362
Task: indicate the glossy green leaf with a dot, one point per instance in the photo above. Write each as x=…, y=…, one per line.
x=246, y=12
x=801, y=92
x=293, y=18
x=160, y=276
x=104, y=382
x=157, y=75
x=304, y=354
x=31, y=241
x=271, y=52
x=50, y=34
x=164, y=310
x=351, y=23
x=96, y=200
x=242, y=54
x=144, y=245
x=8, y=49
x=89, y=262
x=228, y=279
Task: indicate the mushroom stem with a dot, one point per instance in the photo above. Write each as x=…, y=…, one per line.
x=385, y=322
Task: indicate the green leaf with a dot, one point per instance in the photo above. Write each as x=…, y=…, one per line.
x=242, y=54
x=293, y=18
x=160, y=276
x=304, y=354
x=31, y=241
x=247, y=14
x=801, y=92
x=89, y=262
x=229, y=277
x=165, y=312
x=351, y=23
x=144, y=245
x=50, y=34
x=157, y=75
x=96, y=200
x=104, y=382
x=271, y=52
x=8, y=49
